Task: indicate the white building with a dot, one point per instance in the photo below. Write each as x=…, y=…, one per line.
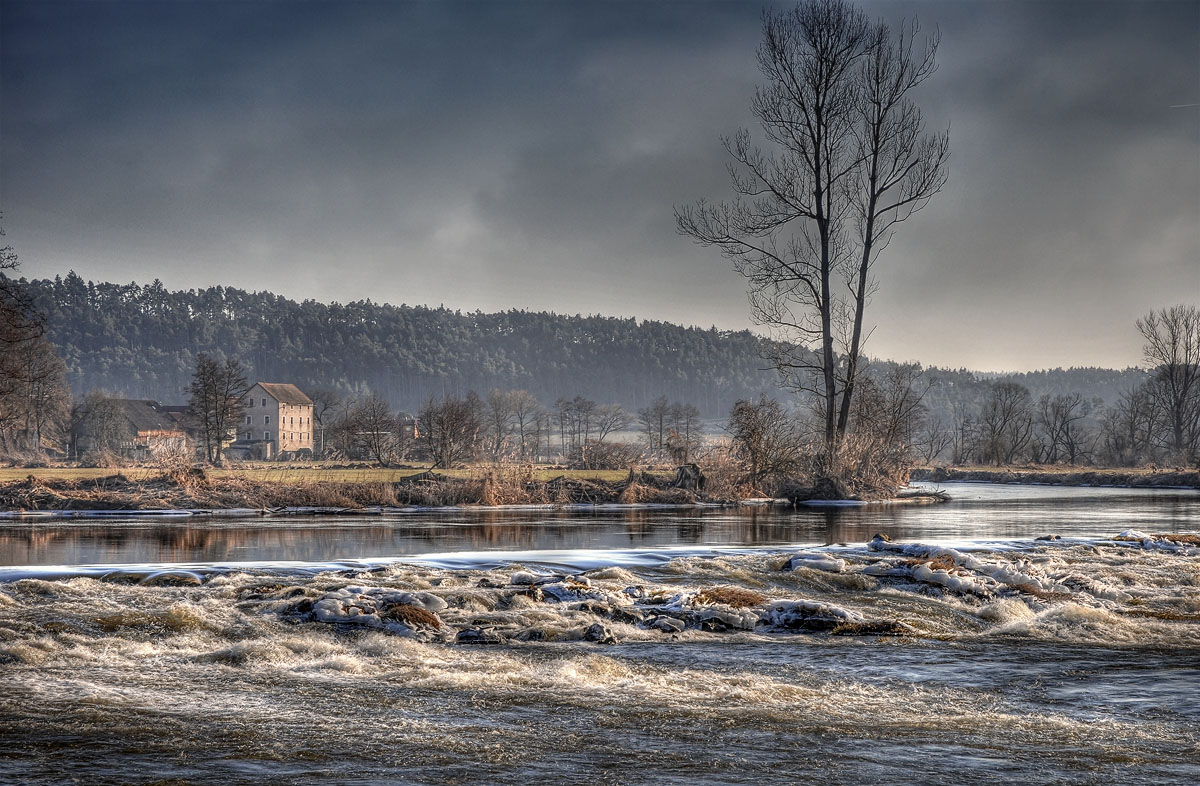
x=279, y=415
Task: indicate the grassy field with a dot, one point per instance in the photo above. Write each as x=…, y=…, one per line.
x=276, y=473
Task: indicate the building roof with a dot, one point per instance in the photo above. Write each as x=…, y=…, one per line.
x=147, y=415
x=285, y=392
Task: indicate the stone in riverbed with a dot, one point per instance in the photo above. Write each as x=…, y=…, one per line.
x=172, y=578
x=667, y=624
x=616, y=613
x=599, y=633
x=480, y=636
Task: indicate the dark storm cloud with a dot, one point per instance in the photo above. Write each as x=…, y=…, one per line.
x=1074, y=204
x=528, y=154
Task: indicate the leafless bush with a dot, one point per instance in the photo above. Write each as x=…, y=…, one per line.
x=606, y=455
x=172, y=455
x=767, y=440
x=511, y=485
x=103, y=458
x=725, y=475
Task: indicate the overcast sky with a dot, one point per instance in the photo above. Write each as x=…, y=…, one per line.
x=528, y=154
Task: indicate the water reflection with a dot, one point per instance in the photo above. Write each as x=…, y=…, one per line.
x=977, y=512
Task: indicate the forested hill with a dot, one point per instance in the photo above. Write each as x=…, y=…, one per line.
x=142, y=341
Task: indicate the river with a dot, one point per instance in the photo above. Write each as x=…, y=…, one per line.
x=1017, y=634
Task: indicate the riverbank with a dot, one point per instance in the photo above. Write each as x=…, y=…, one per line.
x=1062, y=476
x=199, y=490
x=196, y=489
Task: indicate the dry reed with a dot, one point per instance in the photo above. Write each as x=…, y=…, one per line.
x=731, y=596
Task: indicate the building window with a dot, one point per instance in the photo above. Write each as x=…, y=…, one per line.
x=249, y=419
x=264, y=402
x=266, y=420
x=267, y=435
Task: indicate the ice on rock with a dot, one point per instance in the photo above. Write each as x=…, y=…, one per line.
x=379, y=607
x=578, y=588
x=883, y=543
x=1159, y=542
x=667, y=624
x=952, y=582
x=888, y=569
x=693, y=610
x=715, y=618
x=807, y=614
x=817, y=561
x=969, y=575
x=1095, y=588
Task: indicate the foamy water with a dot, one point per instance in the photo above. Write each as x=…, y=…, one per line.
x=969, y=654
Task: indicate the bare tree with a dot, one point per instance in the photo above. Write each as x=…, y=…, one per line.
x=34, y=400
x=1005, y=423
x=1172, y=351
x=20, y=321
x=610, y=418
x=218, y=400
x=326, y=404
x=377, y=430
x=97, y=422
x=577, y=421
x=654, y=422
x=1128, y=427
x=36, y=406
x=499, y=422
x=1060, y=425
x=685, y=432
x=898, y=410
x=527, y=416
x=540, y=433
x=933, y=440
x=899, y=167
x=964, y=434
x=766, y=438
x=851, y=161
x=449, y=429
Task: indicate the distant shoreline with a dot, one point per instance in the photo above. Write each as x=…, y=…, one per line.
x=55, y=494
x=1062, y=476
x=301, y=492
x=60, y=492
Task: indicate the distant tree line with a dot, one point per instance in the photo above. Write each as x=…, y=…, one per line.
x=905, y=414
x=35, y=402
x=506, y=426
x=1076, y=416
x=144, y=342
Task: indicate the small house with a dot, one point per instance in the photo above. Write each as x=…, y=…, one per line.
x=130, y=427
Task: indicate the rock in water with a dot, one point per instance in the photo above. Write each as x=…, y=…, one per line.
x=599, y=633
x=480, y=636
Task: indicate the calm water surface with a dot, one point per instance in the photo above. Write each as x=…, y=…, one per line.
x=287, y=651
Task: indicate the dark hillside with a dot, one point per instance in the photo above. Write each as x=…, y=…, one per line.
x=142, y=341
